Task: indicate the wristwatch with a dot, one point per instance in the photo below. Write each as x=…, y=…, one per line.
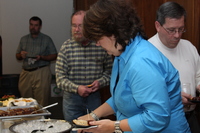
x=117, y=127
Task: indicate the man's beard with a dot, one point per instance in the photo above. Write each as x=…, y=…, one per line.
x=78, y=38
x=33, y=32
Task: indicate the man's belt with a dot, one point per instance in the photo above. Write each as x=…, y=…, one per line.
x=33, y=69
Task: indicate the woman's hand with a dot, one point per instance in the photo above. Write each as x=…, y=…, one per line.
x=103, y=126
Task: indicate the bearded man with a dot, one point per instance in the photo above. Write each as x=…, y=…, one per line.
x=82, y=68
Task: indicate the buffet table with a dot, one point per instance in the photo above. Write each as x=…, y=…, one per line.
x=25, y=115
x=29, y=123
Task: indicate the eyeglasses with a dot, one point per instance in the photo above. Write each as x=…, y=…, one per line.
x=76, y=26
x=173, y=31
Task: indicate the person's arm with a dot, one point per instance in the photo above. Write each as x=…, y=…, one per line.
x=18, y=56
x=197, y=71
x=107, y=125
x=102, y=111
x=50, y=49
x=104, y=80
x=21, y=55
x=61, y=76
x=50, y=57
x=61, y=70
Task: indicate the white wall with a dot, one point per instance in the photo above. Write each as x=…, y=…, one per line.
x=14, y=23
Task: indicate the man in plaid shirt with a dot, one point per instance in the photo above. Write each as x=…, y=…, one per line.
x=82, y=68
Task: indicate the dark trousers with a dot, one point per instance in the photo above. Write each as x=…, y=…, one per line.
x=192, y=121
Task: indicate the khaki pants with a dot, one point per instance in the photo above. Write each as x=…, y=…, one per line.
x=36, y=84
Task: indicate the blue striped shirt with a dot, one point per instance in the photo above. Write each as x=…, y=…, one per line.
x=82, y=65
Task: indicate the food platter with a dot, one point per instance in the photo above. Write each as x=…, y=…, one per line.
x=9, y=102
x=41, y=125
x=41, y=113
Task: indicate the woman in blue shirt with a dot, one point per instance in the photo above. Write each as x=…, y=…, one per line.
x=145, y=87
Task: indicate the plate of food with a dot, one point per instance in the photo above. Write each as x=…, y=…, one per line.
x=82, y=124
x=4, y=100
x=9, y=101
x=22, y=102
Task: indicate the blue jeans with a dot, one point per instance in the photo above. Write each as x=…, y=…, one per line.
x=75, y=106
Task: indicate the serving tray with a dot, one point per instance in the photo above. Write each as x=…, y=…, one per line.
x=43, y=113
x=43, y=125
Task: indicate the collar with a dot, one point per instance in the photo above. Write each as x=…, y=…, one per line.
x=130, y=48
x=85, y=43
x=36, y=36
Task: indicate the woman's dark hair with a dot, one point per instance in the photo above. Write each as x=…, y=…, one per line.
x=170, y=10
x=35, y=18
x=112, y=17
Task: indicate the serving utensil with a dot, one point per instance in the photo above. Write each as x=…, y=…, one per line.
x=51, y=105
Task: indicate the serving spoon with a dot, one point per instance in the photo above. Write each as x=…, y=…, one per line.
x=51, y=105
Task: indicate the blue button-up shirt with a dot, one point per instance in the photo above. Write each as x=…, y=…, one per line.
x=148, y=90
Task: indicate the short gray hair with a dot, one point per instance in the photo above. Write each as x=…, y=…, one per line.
x=170, y=10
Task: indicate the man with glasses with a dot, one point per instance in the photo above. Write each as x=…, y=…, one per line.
x=82, y=68
x=170, y=24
